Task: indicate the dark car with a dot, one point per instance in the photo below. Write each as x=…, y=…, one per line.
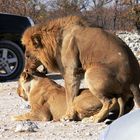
x=11, y=50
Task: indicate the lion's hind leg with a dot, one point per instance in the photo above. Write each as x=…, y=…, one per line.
x=102, y=84
x=107, y=107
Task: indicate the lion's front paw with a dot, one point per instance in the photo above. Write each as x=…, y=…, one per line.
x=88, y=119
x=96, y=118
x=91, y=119
x=19, y=118
x=15, y=118
x=68, y=117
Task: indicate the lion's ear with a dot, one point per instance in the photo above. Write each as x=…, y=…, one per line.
x=23, y=75
x=36, y=39
x=26, y=76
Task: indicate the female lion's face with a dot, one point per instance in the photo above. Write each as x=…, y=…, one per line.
x=23, y=86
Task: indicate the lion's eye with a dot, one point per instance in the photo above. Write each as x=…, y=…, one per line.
x=27, y=56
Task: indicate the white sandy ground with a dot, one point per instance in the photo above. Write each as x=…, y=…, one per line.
x=11, y=104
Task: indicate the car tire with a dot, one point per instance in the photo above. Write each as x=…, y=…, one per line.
x=11, y=60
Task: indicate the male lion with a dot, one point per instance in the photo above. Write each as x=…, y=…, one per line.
x=48, y=100
x=68, y=46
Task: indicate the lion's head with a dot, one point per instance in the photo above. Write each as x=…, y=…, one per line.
x=23, y=85
x=43, y=40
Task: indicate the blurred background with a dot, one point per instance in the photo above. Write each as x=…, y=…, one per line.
x=112, y=15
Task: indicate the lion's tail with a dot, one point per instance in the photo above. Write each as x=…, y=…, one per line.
x=136, y=92
x=121, y=106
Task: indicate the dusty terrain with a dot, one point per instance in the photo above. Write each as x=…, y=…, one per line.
x=11, y=104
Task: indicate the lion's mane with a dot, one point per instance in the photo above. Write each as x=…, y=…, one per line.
x=50, y=34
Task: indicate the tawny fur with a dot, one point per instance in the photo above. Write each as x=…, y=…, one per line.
x=66, y=45
x=48, y=100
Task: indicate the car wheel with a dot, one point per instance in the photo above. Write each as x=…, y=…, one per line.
x=11, y=60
